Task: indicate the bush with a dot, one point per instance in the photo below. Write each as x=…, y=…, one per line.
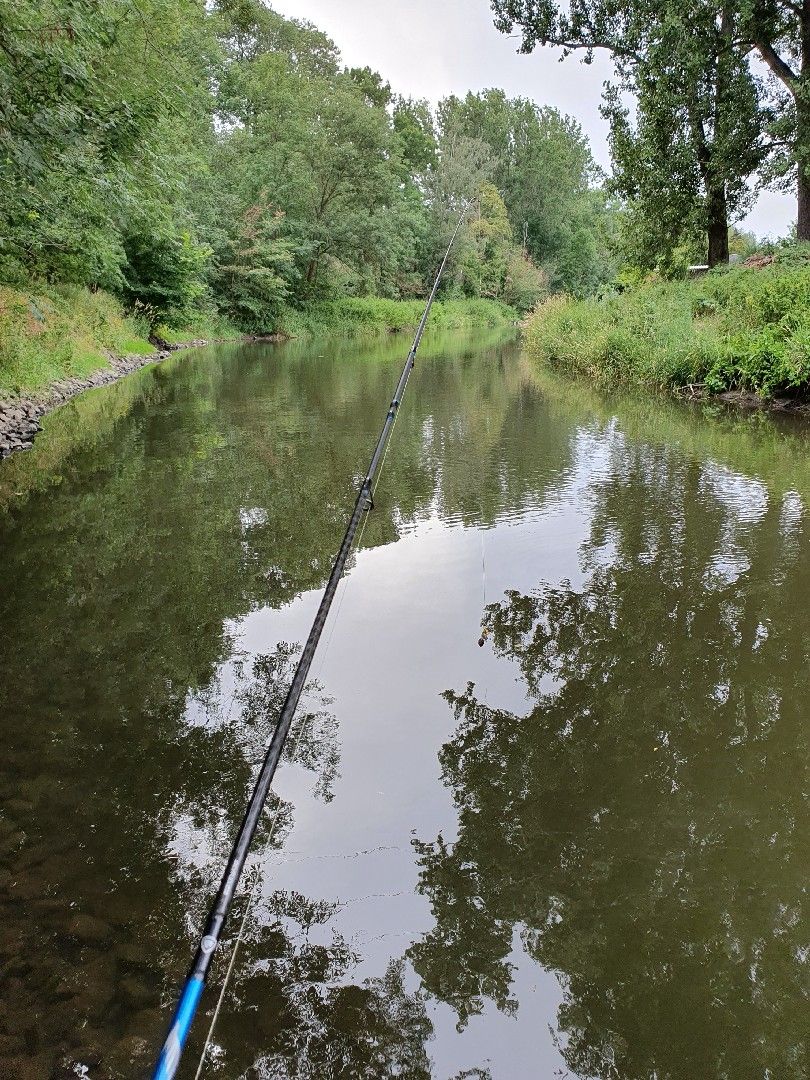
x=53, y=332
x=734, y=329
x=164, y=271
x=357, y=316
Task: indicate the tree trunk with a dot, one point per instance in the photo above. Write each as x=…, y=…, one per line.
x=803, y=125
x=797, y=81
x=717, y=226
x=803, y=223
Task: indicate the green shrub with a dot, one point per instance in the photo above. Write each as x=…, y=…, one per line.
x=164, y=271
x=357, y=316
x=741, y=328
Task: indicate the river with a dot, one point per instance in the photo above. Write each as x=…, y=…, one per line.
x=579, y=851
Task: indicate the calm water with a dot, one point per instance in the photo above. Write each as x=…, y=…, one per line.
x=581, y=851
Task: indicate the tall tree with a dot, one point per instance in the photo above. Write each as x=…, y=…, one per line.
x=698, y=138
x=543, y=166
x=780, y=32
x=698, y=131
x=86, y=111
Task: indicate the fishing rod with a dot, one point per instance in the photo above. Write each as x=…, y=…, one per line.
x=172, y=1049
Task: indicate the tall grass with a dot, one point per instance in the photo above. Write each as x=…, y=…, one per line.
x=357, y=316
x=737, y=329
x=55, y=332
x=52, y=332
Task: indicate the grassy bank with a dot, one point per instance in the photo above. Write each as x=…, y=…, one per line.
x=358, y=316
x=54, y=332
x=57, y=331
x=736, y=329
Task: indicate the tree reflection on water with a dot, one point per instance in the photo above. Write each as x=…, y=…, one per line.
x=645, y=825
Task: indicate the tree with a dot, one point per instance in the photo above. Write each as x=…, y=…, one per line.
x=255, y=269
x=489, y=263
x=698, y=136
x=542, y=164
x=323, y=143
x=415, y=130
x=779, y=30
x=85, y=111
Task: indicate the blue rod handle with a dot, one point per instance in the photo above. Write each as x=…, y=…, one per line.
x=178, y=1033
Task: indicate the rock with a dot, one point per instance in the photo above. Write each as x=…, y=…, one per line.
x=27, y=1068
x=137, y=993
x=90, y=986
x=132, y=954
x=130, y=1054
x=88, y=929
x=147, y=1024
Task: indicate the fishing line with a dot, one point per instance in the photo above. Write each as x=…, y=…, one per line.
x=254, y=887
x=172, y=1049
x=248, y=905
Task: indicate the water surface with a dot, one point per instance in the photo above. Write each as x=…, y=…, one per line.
x=580, y=851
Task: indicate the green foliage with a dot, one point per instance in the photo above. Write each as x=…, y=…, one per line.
x=416, y=134
x=254, y=269
x=541, y=164
x=685, y=162
x=60, y=331
x=741, y=329
x=86, y=110
x=358, y=316
x=525, y=284
x=487, y=262
x=684, y=152
x=208, y=162
x=163, y=274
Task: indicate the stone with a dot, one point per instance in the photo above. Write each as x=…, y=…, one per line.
x=137, y=993
x=27, y=1068
x=88, y=928
x=130, y=1053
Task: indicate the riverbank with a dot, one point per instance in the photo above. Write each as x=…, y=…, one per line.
x=20, y=416
x=743, y=333
x=369, y=315
x=63, y=333
x=57, y=341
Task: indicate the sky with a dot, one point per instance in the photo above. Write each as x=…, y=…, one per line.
x=432, y=48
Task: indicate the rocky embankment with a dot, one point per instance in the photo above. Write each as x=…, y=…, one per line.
x=20, y=416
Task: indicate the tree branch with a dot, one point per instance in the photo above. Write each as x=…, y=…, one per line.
x=782, y=70
x=611, y=46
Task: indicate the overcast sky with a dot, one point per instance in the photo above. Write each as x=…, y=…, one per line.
x=431, y=48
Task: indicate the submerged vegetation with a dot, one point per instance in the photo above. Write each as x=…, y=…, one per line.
x=743, y=328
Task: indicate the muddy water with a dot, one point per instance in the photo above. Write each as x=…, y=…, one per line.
x=581, y=850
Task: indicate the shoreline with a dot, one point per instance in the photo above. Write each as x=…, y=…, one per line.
x=20, y=416
x=744, y=399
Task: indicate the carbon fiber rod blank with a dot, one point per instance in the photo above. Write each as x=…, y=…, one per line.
x=172, y=1049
